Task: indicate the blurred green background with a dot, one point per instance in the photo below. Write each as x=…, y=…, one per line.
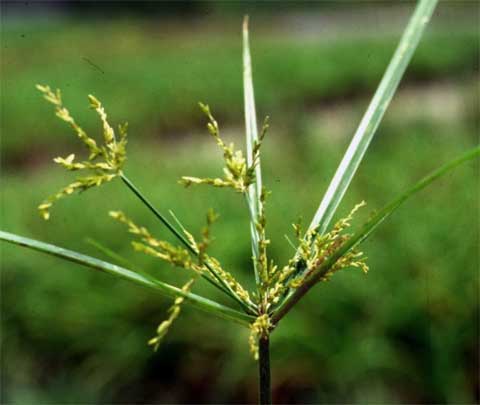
x=406, y=333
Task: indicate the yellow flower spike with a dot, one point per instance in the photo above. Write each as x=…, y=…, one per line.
x=265, y=270
x=99, y=172
x=174, y=312
x=62, y=113
x=237, y=174
x=108, y=133
x=177, y=256
x=229, y=279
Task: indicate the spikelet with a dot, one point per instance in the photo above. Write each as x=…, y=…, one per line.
x=236, y=287
x=112, y=152
x=278, y=284
x=236, y=173
x=174, y=312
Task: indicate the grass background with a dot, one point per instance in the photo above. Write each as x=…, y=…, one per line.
x=406, y=333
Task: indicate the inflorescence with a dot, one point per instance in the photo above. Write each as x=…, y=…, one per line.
x=106, y=162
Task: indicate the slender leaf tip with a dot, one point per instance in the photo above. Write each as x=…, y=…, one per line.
x=245, y=24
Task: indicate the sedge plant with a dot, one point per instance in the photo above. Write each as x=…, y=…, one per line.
x=320, y=250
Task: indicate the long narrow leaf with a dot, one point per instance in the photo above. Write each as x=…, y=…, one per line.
x=366, y=230
x=373, y=115
x=171, y=291
x=114, y=256
x=251, y=133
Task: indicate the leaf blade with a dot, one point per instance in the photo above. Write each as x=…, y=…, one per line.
x=144, y=280
x=373, y=116
x=251, y=133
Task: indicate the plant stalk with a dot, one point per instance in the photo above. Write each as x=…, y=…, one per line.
x=150, y=206
x=265, y=393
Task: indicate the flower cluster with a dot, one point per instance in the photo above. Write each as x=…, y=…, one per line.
x=175, y=255
x=266, y=269
x=237, y=174
x=312, y=252
x=104, y=162
x=231, y=281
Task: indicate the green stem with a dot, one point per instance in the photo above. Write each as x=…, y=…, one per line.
x=265, y=393
x=221, y=284
x=159, y=216
x=200, y=302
